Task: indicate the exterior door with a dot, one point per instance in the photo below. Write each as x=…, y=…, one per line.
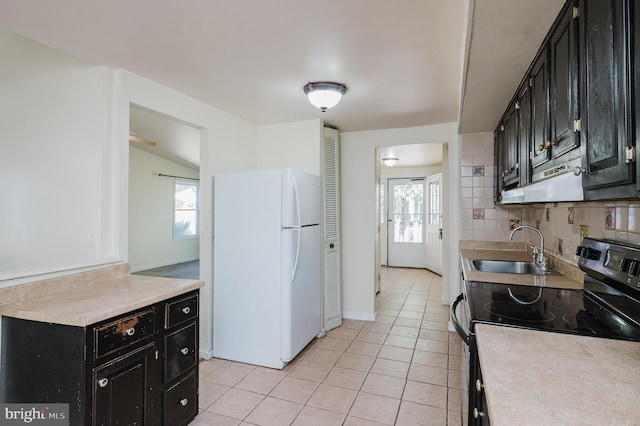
x=406, y=245
x=434, y=223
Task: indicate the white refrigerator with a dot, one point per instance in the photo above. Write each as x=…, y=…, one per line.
x=267, y=293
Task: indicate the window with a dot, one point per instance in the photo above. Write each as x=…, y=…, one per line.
x=434, y=203
x=185, y=216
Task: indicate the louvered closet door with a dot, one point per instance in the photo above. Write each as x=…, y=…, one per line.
x=331, y=230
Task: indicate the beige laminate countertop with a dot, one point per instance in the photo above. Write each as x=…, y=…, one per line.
x=508, y=250
x=96, y=301
x=543, y=378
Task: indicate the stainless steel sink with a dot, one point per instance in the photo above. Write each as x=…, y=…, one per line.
x=507, y=267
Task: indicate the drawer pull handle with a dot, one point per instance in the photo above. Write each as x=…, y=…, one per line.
x=103, y=382
x=131, y=331
x=184, y=402
x=184, y=351
x=186, y=310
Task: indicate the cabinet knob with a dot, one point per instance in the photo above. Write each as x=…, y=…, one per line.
x=477, y=414
x=184, y=402
x=184, y=351
x=186, y=310
x=103, y=382
x=577, y=170
x=546, y=145
x=479, y=385
x=131, y=331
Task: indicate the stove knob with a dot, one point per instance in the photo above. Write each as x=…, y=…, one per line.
x=592, y=254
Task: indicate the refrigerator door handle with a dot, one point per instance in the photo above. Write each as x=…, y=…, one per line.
x=297, y=227
x=294, y=184
x=295, y=262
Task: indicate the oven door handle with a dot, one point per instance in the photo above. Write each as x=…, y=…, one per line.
x=456, y=323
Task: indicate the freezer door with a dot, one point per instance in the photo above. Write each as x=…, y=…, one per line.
x=301, y=297
x=301, y=198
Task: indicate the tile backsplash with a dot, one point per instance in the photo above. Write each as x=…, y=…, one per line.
x=563, y=225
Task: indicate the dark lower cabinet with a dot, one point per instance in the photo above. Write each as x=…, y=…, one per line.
x=180, y=401
x=140, y=368
x=123, y=389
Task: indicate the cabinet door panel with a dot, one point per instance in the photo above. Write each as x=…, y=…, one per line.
x=510, y=148
x=539, y=81
x=180, y=402
x=123, y=389
x=180, y=351
x=564, y=85
x=524, y=131
x=605, y=113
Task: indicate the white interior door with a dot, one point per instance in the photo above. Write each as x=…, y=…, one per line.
x=434, y=223
x=406, y=245
x=332, y=301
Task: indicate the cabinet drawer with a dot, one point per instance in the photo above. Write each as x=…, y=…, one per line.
x=123, y=332
x=181, y=310
x=180, y=402
x=180, y=351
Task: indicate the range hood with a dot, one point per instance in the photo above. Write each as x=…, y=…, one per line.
x=559, y=188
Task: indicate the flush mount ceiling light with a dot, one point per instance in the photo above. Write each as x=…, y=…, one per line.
x=324, y=94
x=389, y=161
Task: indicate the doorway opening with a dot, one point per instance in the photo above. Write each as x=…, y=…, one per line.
x=164, y=173
x=410, y=207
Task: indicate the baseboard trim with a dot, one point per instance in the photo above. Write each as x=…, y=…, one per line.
x=206, y=354
x=360, y=316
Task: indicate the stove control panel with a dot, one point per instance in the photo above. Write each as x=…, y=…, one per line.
x=608, y=259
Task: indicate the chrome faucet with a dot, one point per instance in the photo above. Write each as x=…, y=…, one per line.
x=538, y=254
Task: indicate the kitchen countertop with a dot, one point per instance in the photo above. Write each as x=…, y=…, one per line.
x=95, y=301
x=566, y=276
x=545, y=378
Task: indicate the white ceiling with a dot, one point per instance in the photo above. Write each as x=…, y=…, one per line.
x=402, y=60
x=428, y=154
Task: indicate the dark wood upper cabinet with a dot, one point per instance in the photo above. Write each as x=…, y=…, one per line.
x=524, y=106
x=606, y=52
x=635, y=12
x=576, y=109
x=563, y=81
x=540, y=145
x=509, y=165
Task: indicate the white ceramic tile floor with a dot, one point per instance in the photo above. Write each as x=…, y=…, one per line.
x=402, y=369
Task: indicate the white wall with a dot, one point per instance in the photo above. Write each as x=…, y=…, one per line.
x=151, y=208
x=227, y=143
x=358, y=216
x=64, y=162
x=55, y=113
x=295, y=145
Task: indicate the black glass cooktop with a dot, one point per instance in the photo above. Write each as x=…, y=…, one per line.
x=543, y=308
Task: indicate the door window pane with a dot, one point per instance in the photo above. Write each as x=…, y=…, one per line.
x=408, y=200
x=434, y=203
